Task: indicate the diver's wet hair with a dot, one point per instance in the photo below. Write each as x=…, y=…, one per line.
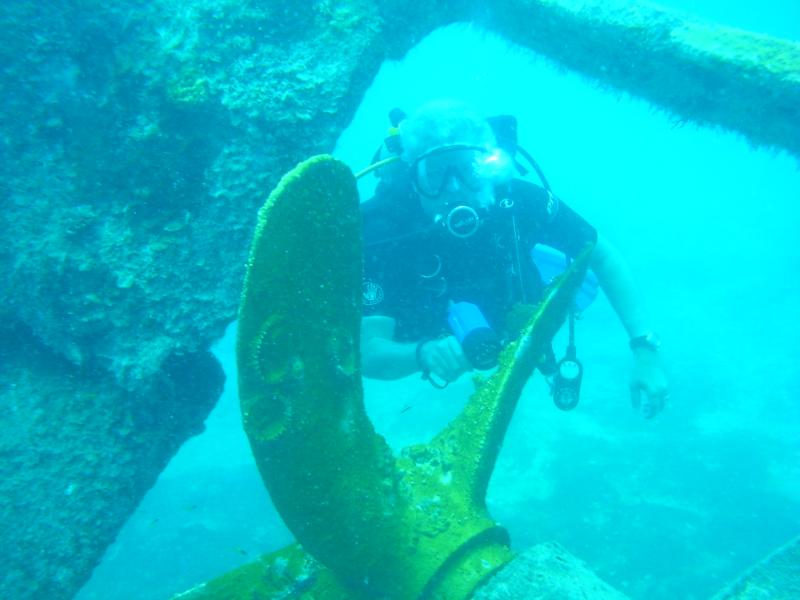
x=441, y=123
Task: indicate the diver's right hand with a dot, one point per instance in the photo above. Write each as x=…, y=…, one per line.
x=443, y=358
x=649, y=391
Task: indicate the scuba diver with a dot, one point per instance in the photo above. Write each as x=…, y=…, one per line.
x=450, y=238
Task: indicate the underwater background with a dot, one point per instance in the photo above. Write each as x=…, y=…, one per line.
x=669, y=508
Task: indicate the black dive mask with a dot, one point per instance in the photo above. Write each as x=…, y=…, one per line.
x=448, y=167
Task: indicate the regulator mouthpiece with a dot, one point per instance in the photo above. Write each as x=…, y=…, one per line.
x=462, y=221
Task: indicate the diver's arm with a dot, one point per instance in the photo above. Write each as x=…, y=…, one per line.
x=648, y=383
x=618, y=284
x=384, y=358
x=381, y=356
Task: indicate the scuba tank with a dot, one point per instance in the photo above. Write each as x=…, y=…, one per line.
x=387, y=156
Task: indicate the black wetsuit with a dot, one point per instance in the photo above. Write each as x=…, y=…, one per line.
x=413, y=269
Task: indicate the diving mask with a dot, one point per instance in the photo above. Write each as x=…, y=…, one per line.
x=454, y=183
x=454, y=167
x=447, y=168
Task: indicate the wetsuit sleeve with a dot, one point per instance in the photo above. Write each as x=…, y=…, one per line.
x=548, y=220
x=568, y=231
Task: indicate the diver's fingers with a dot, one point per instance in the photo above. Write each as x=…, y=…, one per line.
x=636, y=395
x=659, y=399
x=649, y=408
x=447, y=360
x=653, y=402
x=441, y=362
x=455, y=355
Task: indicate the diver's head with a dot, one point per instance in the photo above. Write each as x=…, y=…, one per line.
x=454, y=158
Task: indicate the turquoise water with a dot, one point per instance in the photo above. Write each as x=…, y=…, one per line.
x=669, y=508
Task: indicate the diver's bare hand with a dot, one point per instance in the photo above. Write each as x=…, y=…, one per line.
x=649, y=391
x=444, y=359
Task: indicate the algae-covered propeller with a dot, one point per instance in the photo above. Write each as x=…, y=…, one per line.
x=369, y=524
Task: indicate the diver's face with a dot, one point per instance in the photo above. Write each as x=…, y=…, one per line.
x=450, y=176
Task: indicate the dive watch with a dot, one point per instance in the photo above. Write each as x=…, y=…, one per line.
x=649, y=340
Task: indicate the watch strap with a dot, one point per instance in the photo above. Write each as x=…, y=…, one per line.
x=648, y=340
